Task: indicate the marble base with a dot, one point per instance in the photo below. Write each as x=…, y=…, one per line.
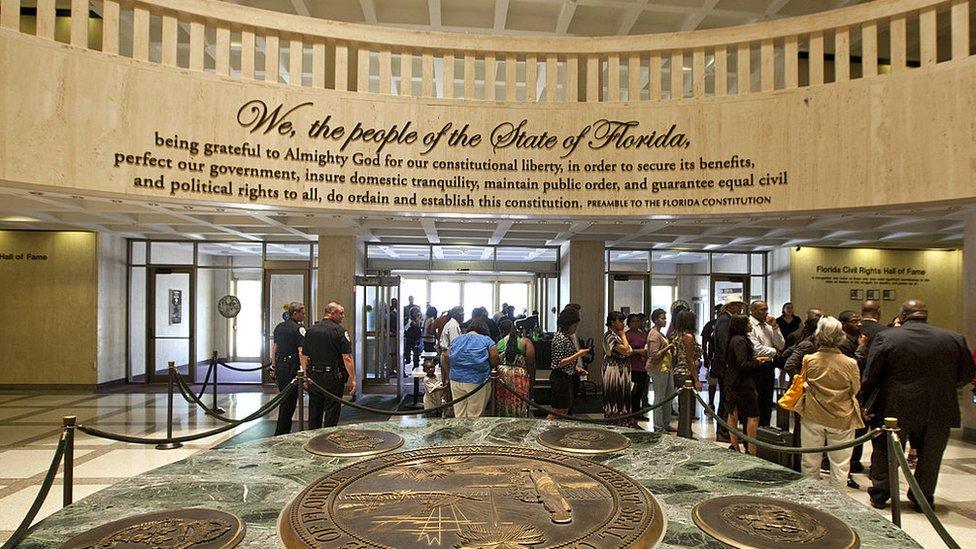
x=257, y=479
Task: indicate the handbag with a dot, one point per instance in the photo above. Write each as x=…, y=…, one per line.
x=792, y=396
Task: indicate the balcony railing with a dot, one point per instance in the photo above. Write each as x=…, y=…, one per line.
x=862, y=41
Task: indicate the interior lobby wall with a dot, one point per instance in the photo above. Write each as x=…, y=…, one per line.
x=50, y=282
x=966, y=398
x=836, y=279
x=112, y=269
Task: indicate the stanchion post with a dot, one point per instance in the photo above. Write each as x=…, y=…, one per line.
x=169, y=413
x=301, y=399
x=213, y=362
x=686, y=406
x=69, y=422
x=891, y=428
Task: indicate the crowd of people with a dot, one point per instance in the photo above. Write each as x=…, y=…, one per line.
x=841, y=375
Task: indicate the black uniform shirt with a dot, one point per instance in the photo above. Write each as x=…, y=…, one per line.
x=326, y=342
x=288, y=338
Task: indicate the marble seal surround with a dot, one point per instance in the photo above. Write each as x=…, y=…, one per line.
x=256, y=480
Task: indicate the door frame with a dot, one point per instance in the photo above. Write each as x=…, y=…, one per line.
x=743, y=278
x=645, y=299
x=381, y=333
x=272, y=268
x=151, y=272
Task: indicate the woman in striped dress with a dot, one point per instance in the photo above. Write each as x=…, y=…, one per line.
x=617, y=386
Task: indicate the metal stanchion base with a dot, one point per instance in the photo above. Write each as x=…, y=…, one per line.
x=169, y=446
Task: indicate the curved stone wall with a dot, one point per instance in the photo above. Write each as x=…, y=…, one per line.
x=99, y=123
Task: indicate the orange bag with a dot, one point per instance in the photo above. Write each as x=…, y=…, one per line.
x=792, y=396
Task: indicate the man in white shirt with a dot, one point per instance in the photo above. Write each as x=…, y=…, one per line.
x=452, y=329
x=766, y=341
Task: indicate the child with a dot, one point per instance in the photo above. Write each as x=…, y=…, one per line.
x=433, y=388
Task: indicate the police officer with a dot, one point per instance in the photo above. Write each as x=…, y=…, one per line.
x=286, y=359
x=330, y=365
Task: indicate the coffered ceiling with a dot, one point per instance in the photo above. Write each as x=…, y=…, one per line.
x=930, y=227
x=551, y=17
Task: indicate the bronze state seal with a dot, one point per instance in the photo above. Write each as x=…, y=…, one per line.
x=757, y=522
x=473, y=497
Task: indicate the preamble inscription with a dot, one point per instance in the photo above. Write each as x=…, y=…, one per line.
x=473, y=497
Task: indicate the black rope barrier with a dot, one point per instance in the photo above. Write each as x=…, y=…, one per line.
x=399, y=412
x=21, y=532
x=560, y=415
x=206, y=380
x=787, y=449
x=95, y=432
x=193, y=399
x=920, y=498
x=239, y=369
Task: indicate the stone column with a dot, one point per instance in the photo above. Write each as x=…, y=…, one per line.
x=339, y=262
x=583, y=280
x=969, y=321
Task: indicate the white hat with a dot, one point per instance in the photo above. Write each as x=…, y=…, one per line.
x=733, y=298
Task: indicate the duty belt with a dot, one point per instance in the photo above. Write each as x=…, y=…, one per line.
x=322, y=367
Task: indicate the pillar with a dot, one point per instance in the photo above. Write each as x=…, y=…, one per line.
x=339, y=262
x=583, y=280
x=969, y=321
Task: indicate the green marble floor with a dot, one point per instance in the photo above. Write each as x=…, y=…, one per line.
x=256, y=479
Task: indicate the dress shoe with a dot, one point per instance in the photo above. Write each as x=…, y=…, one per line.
x=851, y=483
x=879, y=503
x=856, y=467
x=670, y=429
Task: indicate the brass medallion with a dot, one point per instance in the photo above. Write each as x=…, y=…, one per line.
x=473, y=497
x=353, y=443
x=756, y=522
x=176, y=529
x=583, y=440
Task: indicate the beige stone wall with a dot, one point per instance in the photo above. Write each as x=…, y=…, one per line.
x=969, y=321
x=66, y=113
x=112, y=310
x=48, y=329
x=813, y=282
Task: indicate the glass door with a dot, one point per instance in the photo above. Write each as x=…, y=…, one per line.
x=628, y=293
x=723, y=285
x=382, y=329
x=281, y=287
x=170, y=318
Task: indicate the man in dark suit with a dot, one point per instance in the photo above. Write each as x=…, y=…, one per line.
x=917, y=368
x=870, y=326
x=871, y=320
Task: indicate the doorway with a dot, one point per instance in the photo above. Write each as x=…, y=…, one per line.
x=283, y=283
x=628, y=293
x=723, y=285
x=171, y=322
x=382, y=362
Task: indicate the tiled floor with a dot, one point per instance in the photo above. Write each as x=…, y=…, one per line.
x=30, y=424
